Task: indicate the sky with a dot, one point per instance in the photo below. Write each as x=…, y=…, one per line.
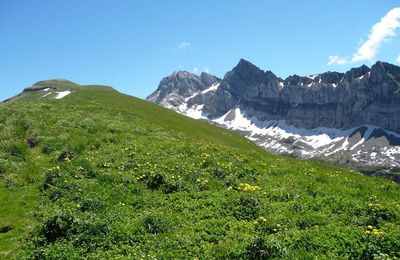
x=132, y=45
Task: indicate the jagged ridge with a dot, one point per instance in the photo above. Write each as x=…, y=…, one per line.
x=332, y=100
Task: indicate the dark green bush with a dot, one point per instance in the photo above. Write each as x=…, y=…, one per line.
x=91, y=205
x=261, y=248
x=155, y=224
x=50, y=179
x=378, y=213
x=155, y=181
x=65, y=155
x=59, y=226
x=310, y=219
x=32, y=141
x=172, y=187
x=246, y=207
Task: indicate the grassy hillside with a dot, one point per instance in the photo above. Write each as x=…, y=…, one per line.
x=99, y=174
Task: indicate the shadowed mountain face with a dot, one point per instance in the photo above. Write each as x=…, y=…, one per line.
x=340, y=103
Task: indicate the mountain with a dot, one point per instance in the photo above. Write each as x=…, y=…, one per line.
x=176, y=88
x=88, y=172
x=56, y=88
x=351, y=117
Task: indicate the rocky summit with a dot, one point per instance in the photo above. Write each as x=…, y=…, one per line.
x=351, y=117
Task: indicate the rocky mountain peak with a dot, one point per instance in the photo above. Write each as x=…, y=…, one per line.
x=356, y=73
x=174, y=88
x=381, y=71
x=293, y=80
x=331, y=77
x=247, y=72
x=181, y=74
x=208, y=79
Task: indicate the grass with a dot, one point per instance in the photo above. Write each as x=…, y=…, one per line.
x=100, y=174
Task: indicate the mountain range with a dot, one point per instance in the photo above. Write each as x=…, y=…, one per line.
x=351, y=117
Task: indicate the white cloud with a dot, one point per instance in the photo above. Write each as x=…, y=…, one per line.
x=398, y=59
x=195, y=70
x=380, y=32
x=206, y=70
x=184, y=45
x=335, y=59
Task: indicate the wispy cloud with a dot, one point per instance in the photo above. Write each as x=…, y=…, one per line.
x=195, y=70
x=380, y=32
x=184, y=45
x=335, y=59
x=397, y=60
x=206, y=70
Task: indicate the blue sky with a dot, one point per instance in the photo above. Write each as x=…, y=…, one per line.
x=131, y=45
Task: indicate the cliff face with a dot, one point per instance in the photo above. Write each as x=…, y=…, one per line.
x=337, y=100
x=341, y=101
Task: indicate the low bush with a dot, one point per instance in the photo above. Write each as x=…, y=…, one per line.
x=246, y=207
x=155, y=224
x=262, y=248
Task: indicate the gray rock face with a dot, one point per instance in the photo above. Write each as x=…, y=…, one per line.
x=361, y=96
x=173, y=90
x=331, y=99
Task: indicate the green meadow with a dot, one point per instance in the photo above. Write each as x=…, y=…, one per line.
x=99, y=174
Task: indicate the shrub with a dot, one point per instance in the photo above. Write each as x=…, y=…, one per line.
x=65, y=155
x=172, y=187
x=261, y=248
x=155, y=224
x=91, y=205
x=58, y=226
x=247, y=208
x=46, y=149
x=310, y=219
x=32, y=141
x=50, y=179
x=155, y=181
x=219, y=173
x=377, y=213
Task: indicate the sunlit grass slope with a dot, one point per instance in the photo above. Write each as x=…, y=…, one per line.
x=99, y=174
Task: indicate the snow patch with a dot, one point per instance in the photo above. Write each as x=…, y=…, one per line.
x=213, y=87
x=62, y=94
x=279, y=137
x=195, y=112
x=45, y=95
x=312, y=76
x=279, y=129
x=310, y=84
